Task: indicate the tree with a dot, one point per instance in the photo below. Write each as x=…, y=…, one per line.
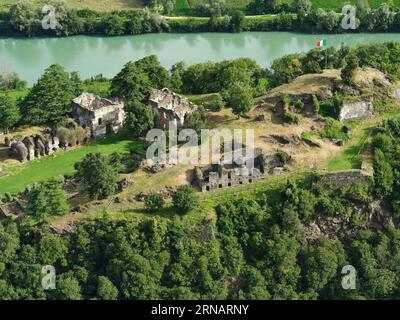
x=287, y=68
x=9, y=242
x=139, y=117
x=184, y=199
x=153, y=201
x=24, y=17
x=151, y=66
x=106, y=289
x=131, y=83
x=50, y=98
x=68, y=288
x=321, y=263
x=99, y=176
x=113, y=24
x=239, y=98
x=47, y=199
x=348, y=72
x=303, y=5
x=362, y=7
x=237, y=20
x=9, y=113
x=383, y=175
x=195, y=121
x=177, y=71
x=10, y=80
x=52, y=249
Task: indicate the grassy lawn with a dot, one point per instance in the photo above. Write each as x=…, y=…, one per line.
x=62, y=163
x=352, y=155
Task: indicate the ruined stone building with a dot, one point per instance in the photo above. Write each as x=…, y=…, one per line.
x=221, y=175
x=169, y=107
x=100, y=115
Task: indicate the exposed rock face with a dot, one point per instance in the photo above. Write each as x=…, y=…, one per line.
x=40, y=147
x=169, y=107
x=395, y=92
x=19, y=150
x=34, y=147
x=30, y=146
x=381, y=216
x=358, y=110
x=100, y=115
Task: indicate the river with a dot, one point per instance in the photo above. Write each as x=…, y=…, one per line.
x=91, y=55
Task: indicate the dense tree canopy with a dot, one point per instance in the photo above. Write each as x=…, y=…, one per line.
x=50, y=98
x=98, y=174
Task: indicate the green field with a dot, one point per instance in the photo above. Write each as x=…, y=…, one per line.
x=338, y=4
x=182, y=6
x=62, y=162
x=100, y=5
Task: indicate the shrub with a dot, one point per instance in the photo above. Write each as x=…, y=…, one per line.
x=299, y=106
x=184, y=199
x=153, y=202
x=290, y=117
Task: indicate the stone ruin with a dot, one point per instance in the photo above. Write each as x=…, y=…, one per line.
x=100, y=115
x=169, y=107
x=221, y=175
x=33, y=147
x=342, y=178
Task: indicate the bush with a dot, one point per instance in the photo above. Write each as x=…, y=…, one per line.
x=289, y=117
x=153, y=202
x=299, y=106
x=334, y=130
x=217, y=104
x=184, y=199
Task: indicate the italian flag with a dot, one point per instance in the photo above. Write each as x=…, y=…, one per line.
x=321, y=43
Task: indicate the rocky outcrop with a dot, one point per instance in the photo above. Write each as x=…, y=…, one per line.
x=356, y=110
x=19, y=150
x=33, y=147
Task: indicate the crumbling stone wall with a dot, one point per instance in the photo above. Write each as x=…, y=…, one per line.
x=100, y=115
x=169, y=107
x=342, y=178
x=217, y=176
